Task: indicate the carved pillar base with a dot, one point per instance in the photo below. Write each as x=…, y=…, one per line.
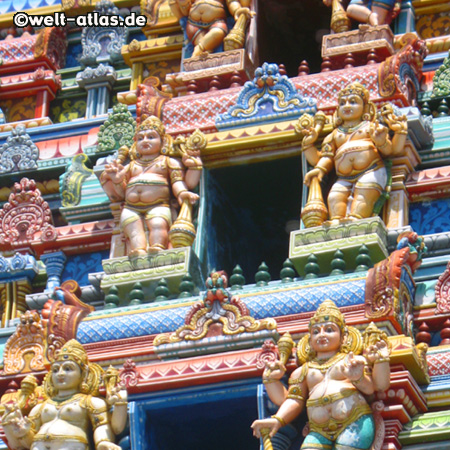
x=324, y=241
x=172, y=265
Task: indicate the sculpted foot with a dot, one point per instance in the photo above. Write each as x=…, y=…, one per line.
x=137, y=252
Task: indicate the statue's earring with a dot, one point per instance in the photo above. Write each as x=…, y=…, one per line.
x=84, y=385
x=345, y=347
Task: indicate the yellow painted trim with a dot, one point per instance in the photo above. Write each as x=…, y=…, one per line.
x=140, y=311
x=437, y=7
x=161, y=49
x=421, y=307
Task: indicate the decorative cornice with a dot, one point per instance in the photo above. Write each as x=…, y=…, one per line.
x=429, y=184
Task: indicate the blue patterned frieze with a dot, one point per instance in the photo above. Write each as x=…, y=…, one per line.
x=78, y=267
x=18, y=153
x=270, y=97
x=261, y=305
x=430, y=217
x=103, y=44
x=17, y=267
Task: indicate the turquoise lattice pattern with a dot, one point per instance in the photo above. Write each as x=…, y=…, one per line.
x=430, y=217
x=271, y=304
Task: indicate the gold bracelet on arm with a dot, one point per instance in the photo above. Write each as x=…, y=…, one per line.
x=280, y=419
x=382, y=360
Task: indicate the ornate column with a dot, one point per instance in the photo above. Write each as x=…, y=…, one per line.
x=16, y=275
x=98, y=83
x=54, y=264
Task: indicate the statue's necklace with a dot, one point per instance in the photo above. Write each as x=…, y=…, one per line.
x=323, y=367
x=59, y=403
x=350, y=129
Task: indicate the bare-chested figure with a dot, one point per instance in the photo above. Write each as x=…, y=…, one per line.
x=146, y=184
x=355, y=149
x=73, y=416
x=206, y=27
x=331, y=383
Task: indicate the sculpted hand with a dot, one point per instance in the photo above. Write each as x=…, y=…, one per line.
x=274, y=371
x=378, y=133
x=311, y=136
x=398, y=124
x=319, y=173
x=353, y=367
x=245, y=11
x=116, y=172
x=189, y=196
x=13, y=418
x=272, y=424
x=117, y=394
x=380, y=350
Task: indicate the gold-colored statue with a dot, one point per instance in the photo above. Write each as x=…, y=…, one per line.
x=355, y=149
x=206, y=22
x=332, y=381
x=157, y=166
x=72, y=407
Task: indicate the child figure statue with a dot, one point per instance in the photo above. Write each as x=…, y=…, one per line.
x=331, y=382
x=145, y=183
x=355, y=149
x=73, y=416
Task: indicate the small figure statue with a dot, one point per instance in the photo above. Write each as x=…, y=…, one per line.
x=144, y=184
x=206, y=22
x=331, y=382
x=355, y=149
x=373, y=12
x=71, y=409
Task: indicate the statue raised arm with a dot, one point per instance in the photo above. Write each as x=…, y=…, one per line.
x=73, y=415
x=332, y=382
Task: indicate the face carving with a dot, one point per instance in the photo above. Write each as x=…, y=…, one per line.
x=351, y=107
x=66, y=375
x=325, y=337
x=148, y=142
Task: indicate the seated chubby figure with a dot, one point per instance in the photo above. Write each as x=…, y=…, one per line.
x=332, y=384
x=73, y=416
x=355, y=149
x=145, y=184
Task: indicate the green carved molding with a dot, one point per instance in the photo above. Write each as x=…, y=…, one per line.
x=173, y=265
x=72, y=181
x=347, y=238
x=118, y=129
x=429, y=427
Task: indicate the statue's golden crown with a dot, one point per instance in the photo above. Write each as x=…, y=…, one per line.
x=73, y=351
x=356, y=89
x=328, y=312
x=152, y=123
